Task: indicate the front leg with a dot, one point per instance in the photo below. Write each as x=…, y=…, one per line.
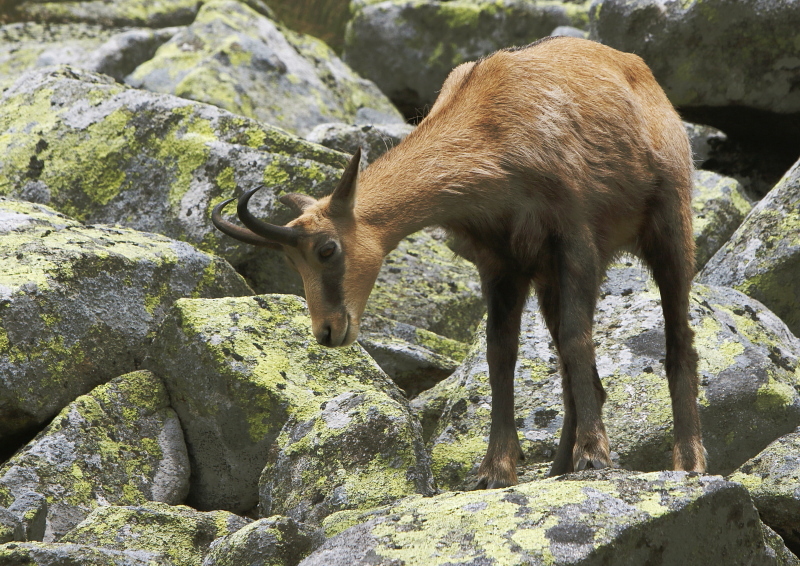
x=506, y=297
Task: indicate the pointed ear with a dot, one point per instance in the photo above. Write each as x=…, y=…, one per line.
x=297, y=202
x=343, y=197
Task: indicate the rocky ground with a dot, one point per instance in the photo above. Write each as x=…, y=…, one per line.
x=162, y=400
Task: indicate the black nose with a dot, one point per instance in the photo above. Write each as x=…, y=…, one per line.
x=325, y=337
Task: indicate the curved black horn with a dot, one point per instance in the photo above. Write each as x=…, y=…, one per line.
x=237, y=232
x=279, y=234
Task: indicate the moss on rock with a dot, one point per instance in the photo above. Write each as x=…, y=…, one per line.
x=237, y=59
x=773, y=477
x=180, y=533
x=762, y=258
x=719, y=206
x=103, y=152
x=120, y=444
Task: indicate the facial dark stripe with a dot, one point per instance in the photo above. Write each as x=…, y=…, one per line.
x=333, y=282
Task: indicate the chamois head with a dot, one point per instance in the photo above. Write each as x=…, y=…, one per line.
x=337, y=257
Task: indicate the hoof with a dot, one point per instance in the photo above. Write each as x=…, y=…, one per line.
x=590, y=464
x=484, y=483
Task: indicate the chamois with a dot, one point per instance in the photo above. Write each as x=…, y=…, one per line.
x=543, y=163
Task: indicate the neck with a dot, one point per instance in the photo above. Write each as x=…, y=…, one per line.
x=423, y=182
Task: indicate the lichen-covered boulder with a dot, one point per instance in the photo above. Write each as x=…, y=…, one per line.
x=357, y=452
x=749, y=367
x=180, y=533
x=237, y=59
x=274, y=541
x=762, y=258
x=373, y=139
x=80, y=304
x=116, y=53
x=618, y=518
x=416, y=359
x=773, y=479
x=120, y=444
x=424, y=284
x=65, y=554
x=719, y=205
x=710, y=52
x=325, y=19
x=248, y=380
x=122, y=13
x=102, y=152
x=408, y=47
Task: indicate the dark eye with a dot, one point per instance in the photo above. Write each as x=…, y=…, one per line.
x=327, y=250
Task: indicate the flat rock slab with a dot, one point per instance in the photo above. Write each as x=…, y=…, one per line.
x=250, y=383
x=120, y=444
x=80, y=304
x=235, y=58
x=619, y=518
x=762, y=258
x=710, y=52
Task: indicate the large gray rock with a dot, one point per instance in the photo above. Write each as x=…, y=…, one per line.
x=145, y=13
x=103, y=152
x=237, y=59
x=250, y=383
x=65, y=554
x=408, y=47
x=618, y=518
x=710, y=52
x=719, y=205
x=177, y=532
x=424, y=284
x=373, y=139
x=274, y=541
x=120, y=444
x=116, y=53
x=80, y=304
x=359, y=451
x=773, y=479
x=416, y=359
x=762, y=258
x=748, y=370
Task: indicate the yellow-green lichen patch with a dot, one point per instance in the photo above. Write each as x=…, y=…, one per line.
x=718, y=353
x=452, y=461
x=775, y=396
x=181, y=533
x=453, y=349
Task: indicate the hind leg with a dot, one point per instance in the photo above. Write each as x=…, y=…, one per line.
x=667, y=246
x=567, y=300
x=506, y=296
